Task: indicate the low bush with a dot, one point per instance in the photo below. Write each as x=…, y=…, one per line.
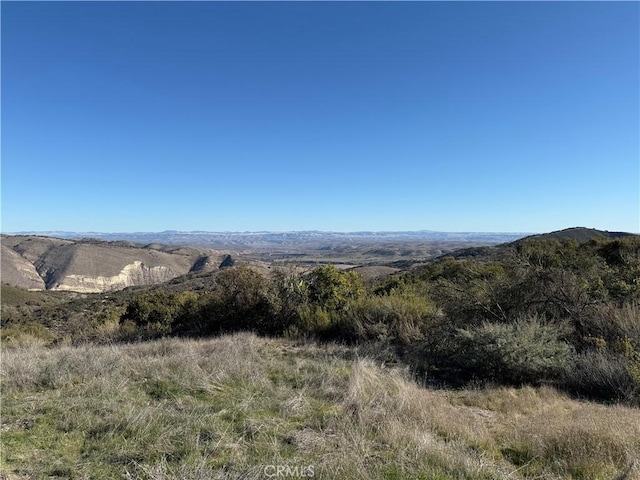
x=154, y=313
x=605, y=376
x=616, y=329
x=400, y=319
x=25, y=335
x=527, y=351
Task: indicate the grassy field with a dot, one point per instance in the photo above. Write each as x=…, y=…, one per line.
x=247, y=407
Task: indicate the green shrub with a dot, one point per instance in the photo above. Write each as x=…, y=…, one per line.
x=193, y=318
x=25, y=335
x=313, y=321
x=289, y=291
x=332, y=289
x=472, y=291
x=396, y=318
x=324, y=296
x=525, y=351
x=243, y=301
x=154, y=313
x=240, y=300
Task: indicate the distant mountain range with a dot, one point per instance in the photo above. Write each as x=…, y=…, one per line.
x=269, y=239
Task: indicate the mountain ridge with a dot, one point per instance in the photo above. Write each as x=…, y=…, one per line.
x=270, y=238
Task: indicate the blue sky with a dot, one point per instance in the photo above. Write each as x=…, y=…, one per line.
x=219, y=116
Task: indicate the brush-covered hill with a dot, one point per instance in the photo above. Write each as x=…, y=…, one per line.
x=91, y=266
x=578, y=234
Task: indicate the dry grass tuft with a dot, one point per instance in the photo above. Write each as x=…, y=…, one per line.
x=230, y=407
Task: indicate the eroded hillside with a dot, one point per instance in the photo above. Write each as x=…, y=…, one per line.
x=92, y=266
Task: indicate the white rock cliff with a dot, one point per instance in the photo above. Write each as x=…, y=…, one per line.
x=136, y=273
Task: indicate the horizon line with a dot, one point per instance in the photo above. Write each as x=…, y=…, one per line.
x=227, y=232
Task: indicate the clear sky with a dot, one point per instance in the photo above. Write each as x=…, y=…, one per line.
x=219, y=116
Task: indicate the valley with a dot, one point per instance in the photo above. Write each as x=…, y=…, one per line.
x=94, y=262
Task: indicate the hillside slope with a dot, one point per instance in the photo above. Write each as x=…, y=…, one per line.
x=18, y=271
x=91, y=266
x=235, y=406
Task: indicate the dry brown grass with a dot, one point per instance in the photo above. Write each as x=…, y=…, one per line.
x=227, y=407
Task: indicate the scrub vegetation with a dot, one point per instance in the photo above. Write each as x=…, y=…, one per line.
x=524, y=363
